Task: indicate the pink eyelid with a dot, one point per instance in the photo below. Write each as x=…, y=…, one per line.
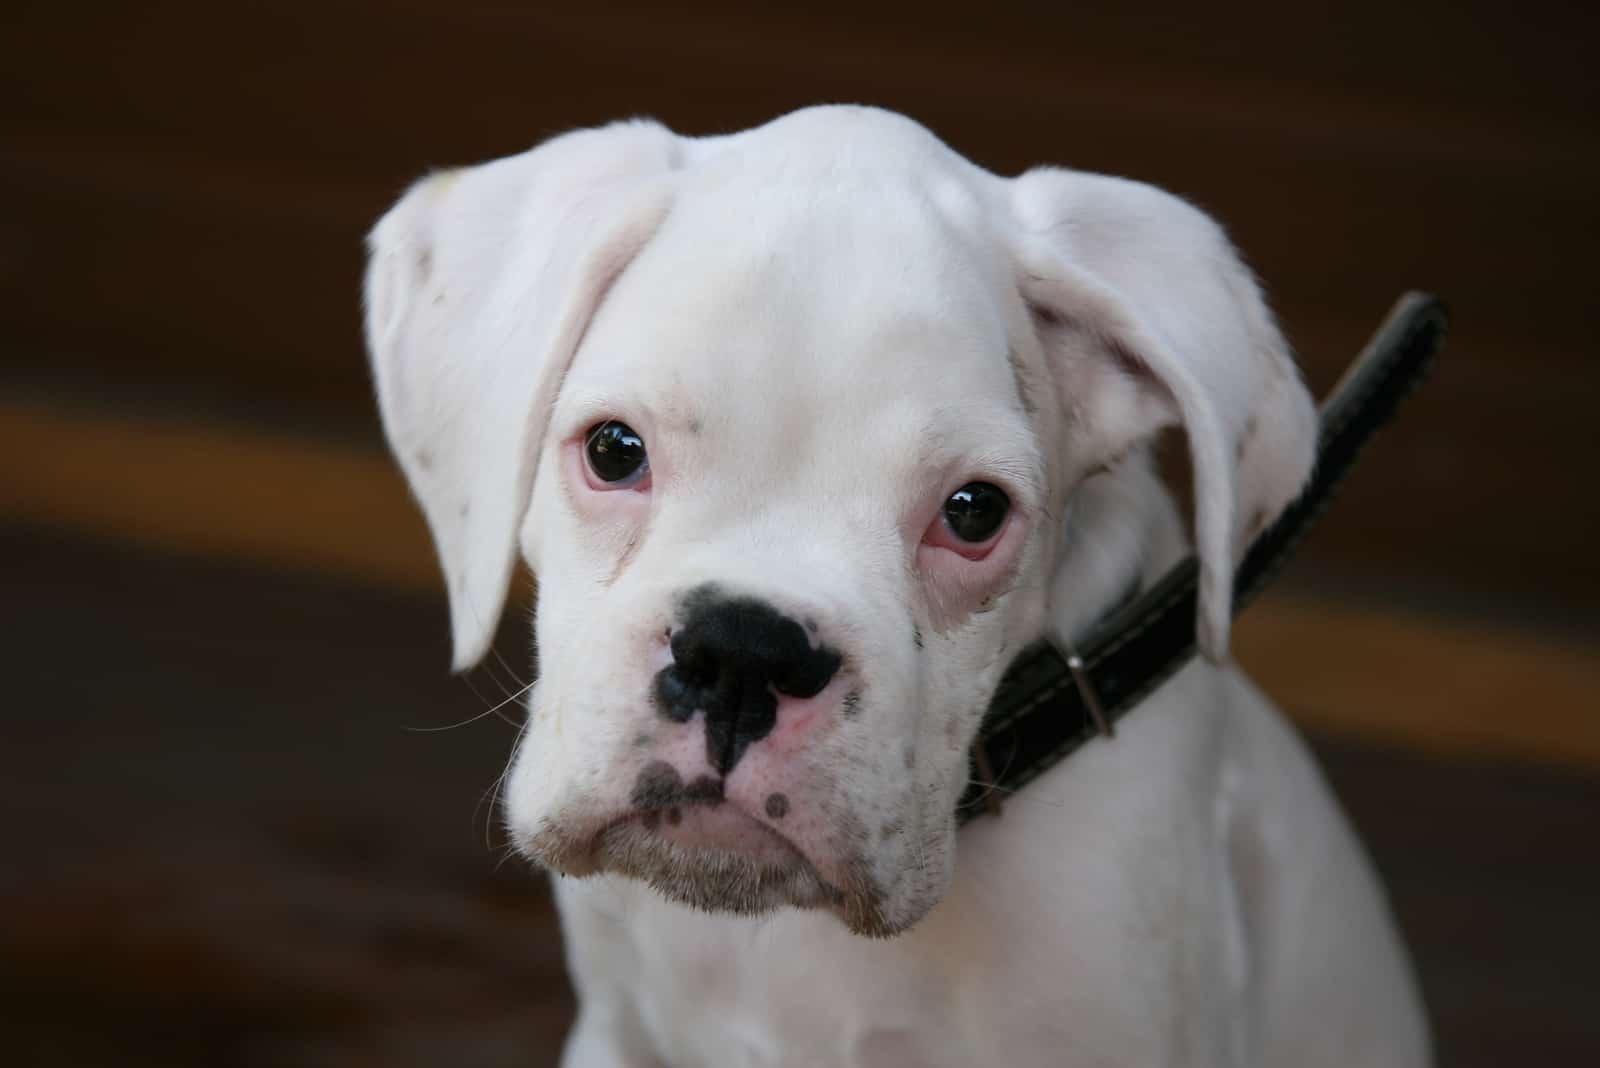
x=939, y=536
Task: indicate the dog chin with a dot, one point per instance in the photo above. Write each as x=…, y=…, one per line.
x=715, y=880
x=719, y=880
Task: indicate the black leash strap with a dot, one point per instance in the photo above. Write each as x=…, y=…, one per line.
x=1049, y=704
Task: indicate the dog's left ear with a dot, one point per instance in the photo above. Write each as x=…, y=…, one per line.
x=480, y=285
x=1149, y=319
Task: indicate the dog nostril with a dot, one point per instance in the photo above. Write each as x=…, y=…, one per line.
x=700, y=671
x=693, y=660
x=677, y=695
x=806, y=676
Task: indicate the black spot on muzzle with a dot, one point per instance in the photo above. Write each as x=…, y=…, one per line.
x=660, y=786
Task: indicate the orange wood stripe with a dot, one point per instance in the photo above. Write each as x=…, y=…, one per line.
x=217, y=490
x=1441, y=686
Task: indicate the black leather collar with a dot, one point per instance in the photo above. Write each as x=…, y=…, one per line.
x=1050, y=703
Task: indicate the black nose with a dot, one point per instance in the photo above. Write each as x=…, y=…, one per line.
x=732, y=657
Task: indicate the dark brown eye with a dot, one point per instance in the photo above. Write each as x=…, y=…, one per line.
x=975, y=511
x=615, y=453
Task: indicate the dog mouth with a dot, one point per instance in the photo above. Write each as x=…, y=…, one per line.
x=717, y=826
x=712, y=856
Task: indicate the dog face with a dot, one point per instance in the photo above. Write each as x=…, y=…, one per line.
x=766, y=647
x=786, y=424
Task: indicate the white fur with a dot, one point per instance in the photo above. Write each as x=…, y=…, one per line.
x=822, y=327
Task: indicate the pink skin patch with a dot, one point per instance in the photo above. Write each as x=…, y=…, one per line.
x=775, y=767
x=723, y=827
x=764, y=809
x=959, y=575
x=800, y=717
x=940, y=536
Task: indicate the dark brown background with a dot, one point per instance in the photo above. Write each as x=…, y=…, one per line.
x=218, y=579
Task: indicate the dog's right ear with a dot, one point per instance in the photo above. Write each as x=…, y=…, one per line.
x=480, y=284
x=1150, y=319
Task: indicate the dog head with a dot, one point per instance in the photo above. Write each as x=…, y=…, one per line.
x=803, y=431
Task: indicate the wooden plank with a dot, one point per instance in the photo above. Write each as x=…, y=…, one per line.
x=1447, y=686
x=212, y=490
x=182, y=204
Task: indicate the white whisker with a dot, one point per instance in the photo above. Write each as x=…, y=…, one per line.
x=492, y=710
x=1013, y=793
x=494, y=789
x=494, y=707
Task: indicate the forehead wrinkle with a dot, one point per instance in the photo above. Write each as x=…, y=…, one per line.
x=589, y=400
x=996, y=443
x=1022, y=380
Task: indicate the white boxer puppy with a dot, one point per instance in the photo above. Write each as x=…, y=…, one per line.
x=805, y=432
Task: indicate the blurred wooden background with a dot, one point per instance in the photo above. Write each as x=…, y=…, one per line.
x=186, y=186
x=183, y=192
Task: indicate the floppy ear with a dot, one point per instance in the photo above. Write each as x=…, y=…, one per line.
x=1149, y=319
x=480, y=283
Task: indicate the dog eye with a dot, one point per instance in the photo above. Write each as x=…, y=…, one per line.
x=615, y=452
x=975, y=511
